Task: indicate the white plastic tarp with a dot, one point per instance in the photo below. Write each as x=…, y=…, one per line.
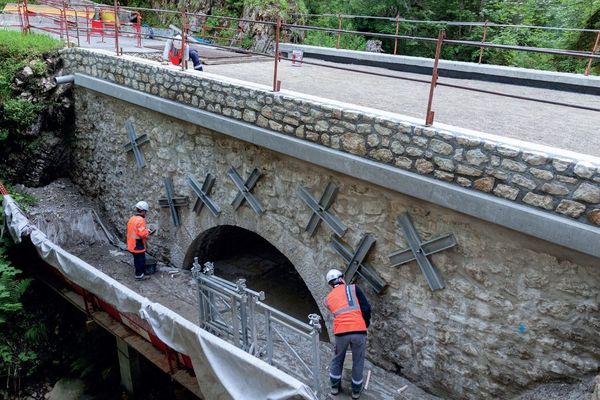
x=223, y=371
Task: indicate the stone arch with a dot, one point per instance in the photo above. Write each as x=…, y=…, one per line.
x=241, y=252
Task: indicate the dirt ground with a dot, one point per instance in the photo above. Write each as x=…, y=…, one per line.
x=176, y=289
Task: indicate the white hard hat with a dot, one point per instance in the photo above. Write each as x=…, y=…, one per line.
x=142, y=205
x=332, y=275
x=177, y=42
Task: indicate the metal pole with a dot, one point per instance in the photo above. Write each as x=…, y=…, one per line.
x=183, y=30
x=434, y=77
x=117, y=27
x=26, y=25
x=485, y=27
x=87, y=22
x=276, y=82
x=19, y=11
x=139, y=29
x=339, y=32
x=396, y=38
x=66, y=22
x=589, y=65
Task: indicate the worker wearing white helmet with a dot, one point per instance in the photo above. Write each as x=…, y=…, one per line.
x=173, y=53
x=137, y=233
x=351, y=318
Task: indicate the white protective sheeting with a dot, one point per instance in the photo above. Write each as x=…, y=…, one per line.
x=223, y=371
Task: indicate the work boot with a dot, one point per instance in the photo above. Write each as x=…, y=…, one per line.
x=335, y=388
x=356, y=392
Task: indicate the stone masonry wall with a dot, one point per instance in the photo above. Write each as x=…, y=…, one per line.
x=556, y=184
x=516, y=311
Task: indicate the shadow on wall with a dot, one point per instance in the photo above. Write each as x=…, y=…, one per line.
x=239, y=253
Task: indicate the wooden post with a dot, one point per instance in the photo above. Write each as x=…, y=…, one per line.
x=594, y=50
x=117, y=27
x=396, y=38
x=276, y=82
x=339, y=32
x=434, y=77
x=485, y=27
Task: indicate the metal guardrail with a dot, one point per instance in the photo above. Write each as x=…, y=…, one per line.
x=237, y=314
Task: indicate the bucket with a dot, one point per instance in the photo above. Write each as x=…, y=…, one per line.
x=297, y=56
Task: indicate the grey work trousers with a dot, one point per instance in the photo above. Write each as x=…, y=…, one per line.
x=357, y=343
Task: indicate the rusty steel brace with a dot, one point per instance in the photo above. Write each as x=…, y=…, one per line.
x=434, y=77
x=117, y=28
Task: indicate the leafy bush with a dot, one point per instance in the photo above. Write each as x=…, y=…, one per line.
x=20, y=112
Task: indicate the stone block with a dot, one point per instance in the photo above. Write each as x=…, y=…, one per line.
x=506, y=191
x=476, y=157
x=588, y=193
x=423, y=166
x=364, y=128
x=555, y=189
x=594, y=216
x=354, y=143
x=414, y=151
x=383, y=155
x=541, y=201
x=523, y=182
x=249, y=115
x=445, y=164
x=484, y=184
x=403, y=162
x=382, y=130
x=468, y=141
x=440, y=147
x=541, y=174
x=464, y=182
x=584, y=169
x=420, y=141
x=445, y=176
x=373, y=140
x=515, y=166
x=561, y=164
x=570, y=208
x=463, y=169
x=397, y=147
x=507, y=151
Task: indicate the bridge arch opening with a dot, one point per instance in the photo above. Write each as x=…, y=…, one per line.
x=240, y=253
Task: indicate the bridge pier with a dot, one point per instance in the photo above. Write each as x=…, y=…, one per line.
x=129, y=366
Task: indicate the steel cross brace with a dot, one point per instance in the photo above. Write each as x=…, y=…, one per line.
x=171, y=201
x=135, y=143
x=354, y=261
x=320, y=212
x=202, y=193
x=420, y=250
x=245, y=190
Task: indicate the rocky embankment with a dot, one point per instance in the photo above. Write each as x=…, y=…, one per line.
x=39, y=154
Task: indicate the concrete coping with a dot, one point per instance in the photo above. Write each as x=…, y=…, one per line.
x=295, y=96
x=543, y=77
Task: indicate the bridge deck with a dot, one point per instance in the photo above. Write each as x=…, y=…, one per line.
x=550, y=125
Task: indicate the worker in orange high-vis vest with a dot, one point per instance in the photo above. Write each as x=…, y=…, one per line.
x=137, y=233
x=351, y=318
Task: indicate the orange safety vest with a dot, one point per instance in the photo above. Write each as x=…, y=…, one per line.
x=343, y=303
x=175, y=56
x=137, y=234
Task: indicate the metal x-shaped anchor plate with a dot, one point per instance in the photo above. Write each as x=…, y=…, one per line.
x=135, y=143
x=320, y=212
x=354, y=261
x=419, y=251
x=202, y=192
x=245, y=190
x=172, y=202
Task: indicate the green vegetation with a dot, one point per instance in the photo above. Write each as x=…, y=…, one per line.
x=16, y=51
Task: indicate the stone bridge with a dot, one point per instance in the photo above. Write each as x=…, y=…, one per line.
x=520, y=302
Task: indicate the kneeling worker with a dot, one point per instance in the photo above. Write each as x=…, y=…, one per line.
x=173, y=53
x=137, y=233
